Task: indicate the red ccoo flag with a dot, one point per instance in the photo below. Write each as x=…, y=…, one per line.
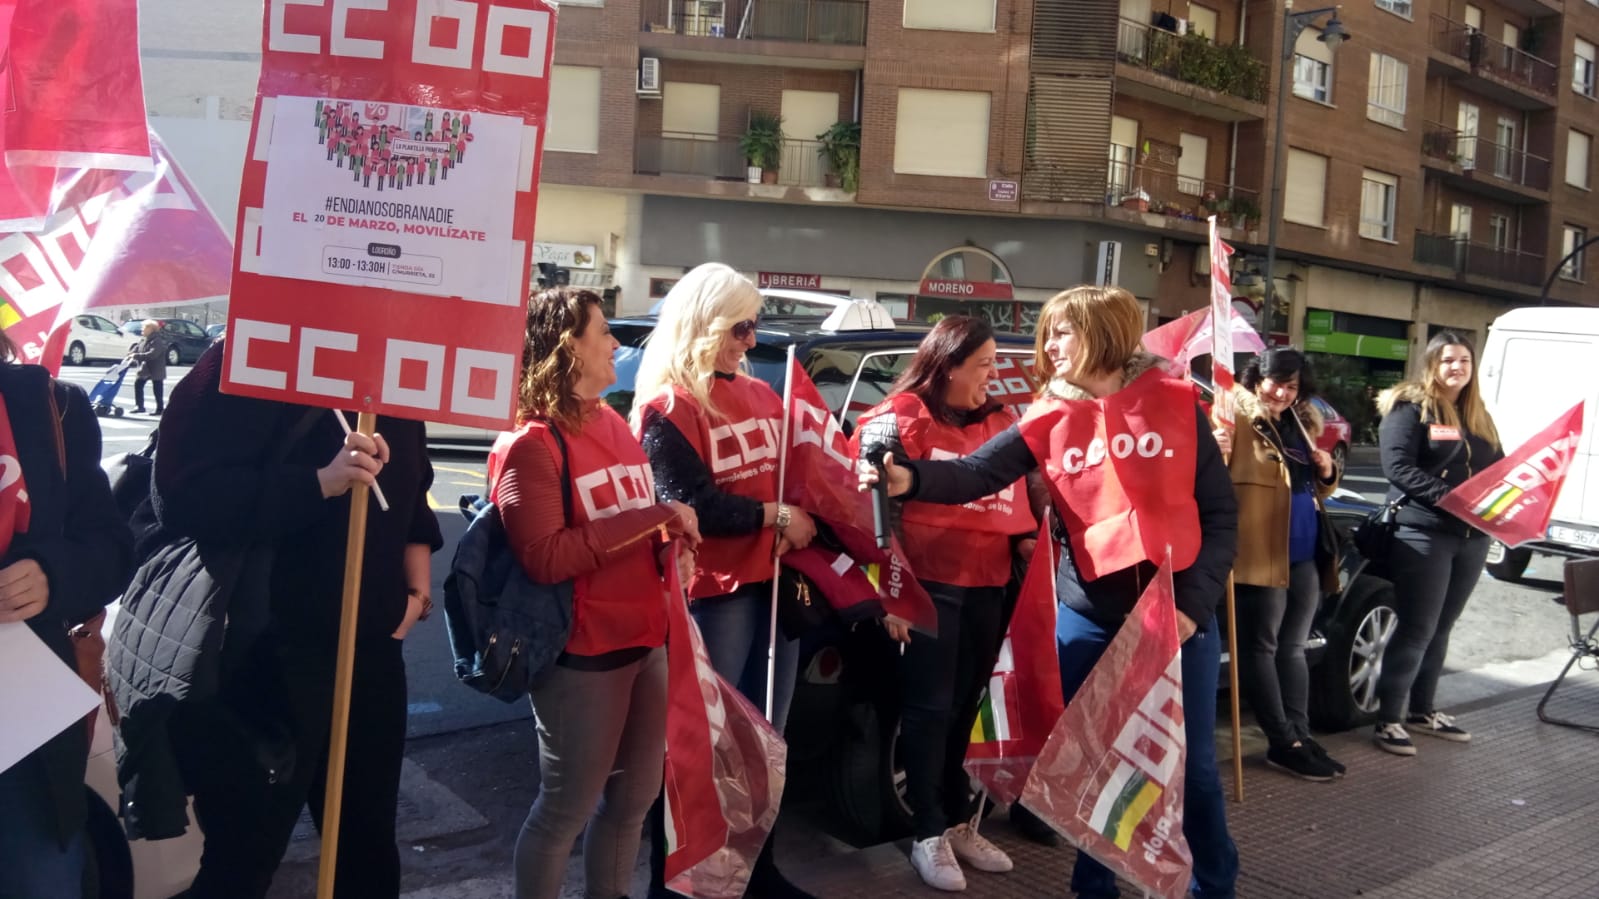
x=1512, y=499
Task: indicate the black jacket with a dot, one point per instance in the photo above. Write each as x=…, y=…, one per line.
x=1422, y=468
x=84, y=548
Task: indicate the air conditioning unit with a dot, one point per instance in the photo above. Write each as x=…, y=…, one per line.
x=649, y=77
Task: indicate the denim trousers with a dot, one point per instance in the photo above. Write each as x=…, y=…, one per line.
x=33, y=862
x=1080, y=642
x=1433, y=574
x=1273, y=625
x=737, y=632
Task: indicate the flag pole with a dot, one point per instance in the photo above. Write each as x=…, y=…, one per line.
x=354, y=555
x=777, y=563
x=1232, y=666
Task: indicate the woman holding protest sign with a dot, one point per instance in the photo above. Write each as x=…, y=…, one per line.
x=64, y=553
x=602, y=710
x=939, y=408
x=1166, y=487
x=1435, y=434
x=712, y=434
x=1287, y=552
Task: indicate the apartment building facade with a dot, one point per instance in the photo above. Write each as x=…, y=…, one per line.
x=1436, y=165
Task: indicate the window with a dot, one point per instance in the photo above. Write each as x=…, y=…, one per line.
x=574, y=113
x=1385, y=94
x=1377, y=194
x=1191, y=164
x=691, y=110
x=1400, y=8
x=950, y=15
x=1504, y=147
x=1473, y=17
x=1578, y=147
x=1582, y=68
x=1499, y=231
x=1202, y=21
x=1123, y=140
x=941, y=133
x=1313, y=71
x=1460, y=221
x=1466, y=119
x=1305, y=193
x=1571, y=238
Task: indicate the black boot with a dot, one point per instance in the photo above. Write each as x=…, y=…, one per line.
x=766, y=882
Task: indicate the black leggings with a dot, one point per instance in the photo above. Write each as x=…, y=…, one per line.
x=157, y=385
x=941, y=686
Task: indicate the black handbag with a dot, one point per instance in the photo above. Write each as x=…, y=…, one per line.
x=801, y=607
x=1374, y=537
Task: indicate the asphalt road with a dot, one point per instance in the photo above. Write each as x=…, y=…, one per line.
x=1504, y=622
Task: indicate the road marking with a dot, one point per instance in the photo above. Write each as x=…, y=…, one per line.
x=453, y=470
x=433, y=503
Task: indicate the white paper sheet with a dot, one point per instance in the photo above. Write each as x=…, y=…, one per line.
x=39, y=695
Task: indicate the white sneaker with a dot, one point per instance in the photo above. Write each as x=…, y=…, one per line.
x=974, y=849
x=936, y=864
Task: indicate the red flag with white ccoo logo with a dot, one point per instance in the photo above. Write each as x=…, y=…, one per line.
x=1221, y=310
x=1110, y=777
x=724, y=768
x=1512, y=499
x=821, y=480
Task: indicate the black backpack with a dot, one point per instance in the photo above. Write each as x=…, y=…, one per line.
x=505, y=630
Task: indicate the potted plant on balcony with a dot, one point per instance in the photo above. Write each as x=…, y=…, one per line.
x=1245, y=210
x=841, y=147
x=1137, y=201
x=762, y=145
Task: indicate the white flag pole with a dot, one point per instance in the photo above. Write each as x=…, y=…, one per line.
x=777, y=563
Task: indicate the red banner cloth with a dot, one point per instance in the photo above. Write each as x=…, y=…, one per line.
x=1023, y=703
x=116, y=239
x=1185, y=339
x=1110, y=777
x=820, y=478
x=724, y=768
x=1512, y=499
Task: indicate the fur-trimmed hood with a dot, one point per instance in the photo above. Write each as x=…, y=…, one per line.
x=1249, y=406
x=1138, y=364
x=1403, y=392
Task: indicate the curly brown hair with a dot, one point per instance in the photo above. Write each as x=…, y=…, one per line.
x=550, y=368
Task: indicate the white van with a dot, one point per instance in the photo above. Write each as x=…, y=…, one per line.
x=1538, y=362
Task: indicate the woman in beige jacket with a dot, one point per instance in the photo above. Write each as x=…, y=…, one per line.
x=1284, y=563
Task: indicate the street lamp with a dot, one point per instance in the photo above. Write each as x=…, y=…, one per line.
x=1334, y=34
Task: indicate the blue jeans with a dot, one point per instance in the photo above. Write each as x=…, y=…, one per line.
x=33, y=862
x=1080, y=642
x=736, y=629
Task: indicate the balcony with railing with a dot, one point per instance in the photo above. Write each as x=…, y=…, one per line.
x=829, y=22
x=714, y=158
x=1231, y=81
x=1164, y=192
x=1477, y=259
x=1482, y=166
x=1497, y=70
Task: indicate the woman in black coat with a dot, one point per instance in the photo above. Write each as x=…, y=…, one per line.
x=64, y=553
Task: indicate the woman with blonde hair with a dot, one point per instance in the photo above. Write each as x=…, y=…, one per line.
x=1134, y=475
x=711, y=432
x=602, y=710
x=1435, y=434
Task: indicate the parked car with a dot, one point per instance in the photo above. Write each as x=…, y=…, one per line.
x=217, y=331
x=185, y=339
x=95, y=339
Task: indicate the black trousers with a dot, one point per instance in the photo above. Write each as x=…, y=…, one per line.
x=247, y=818
x=941, y=686
x=159, y=388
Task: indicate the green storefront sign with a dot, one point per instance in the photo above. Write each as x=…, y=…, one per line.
x=1343, y=344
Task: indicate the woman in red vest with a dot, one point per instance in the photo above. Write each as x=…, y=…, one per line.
x=940, y=409
x=712, y=434
x=1134, y=475
x=602, y=710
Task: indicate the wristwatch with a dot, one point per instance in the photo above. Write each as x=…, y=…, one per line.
x=785, y=516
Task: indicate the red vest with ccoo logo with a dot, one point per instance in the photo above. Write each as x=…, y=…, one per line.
x=966, y=545
x=1121, y=471
x=623, y=603
x=740, y=445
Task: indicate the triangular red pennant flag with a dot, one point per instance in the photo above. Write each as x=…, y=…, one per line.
x=1513, y=498
x=724, y=768
x=1110, y=777
x=1023, y=702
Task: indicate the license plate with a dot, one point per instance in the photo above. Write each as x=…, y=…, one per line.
x=1574, y=536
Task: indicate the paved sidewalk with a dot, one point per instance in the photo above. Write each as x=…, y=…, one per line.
x=1511, y=814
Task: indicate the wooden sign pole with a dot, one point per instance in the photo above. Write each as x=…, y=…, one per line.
x=1232, y=677
x=354, y=555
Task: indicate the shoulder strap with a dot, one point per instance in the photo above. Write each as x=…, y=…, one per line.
x=56, y=417
x=302, y=426
x=566, y=479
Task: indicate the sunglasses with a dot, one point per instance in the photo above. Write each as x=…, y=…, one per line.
x=745, y=328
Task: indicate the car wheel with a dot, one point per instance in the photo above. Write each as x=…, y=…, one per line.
x=1507, y=564
x=1345, y=683
x=866, y=789
x=76, y=354
x=173, y=358
x=1340, y=453
x=109, y=872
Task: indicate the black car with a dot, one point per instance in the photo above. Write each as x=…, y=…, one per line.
x=185, y=339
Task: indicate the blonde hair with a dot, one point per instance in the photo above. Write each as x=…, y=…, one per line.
x=149, y=327
x=695, y=319
x=1109, y=325
x=1469, y=405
